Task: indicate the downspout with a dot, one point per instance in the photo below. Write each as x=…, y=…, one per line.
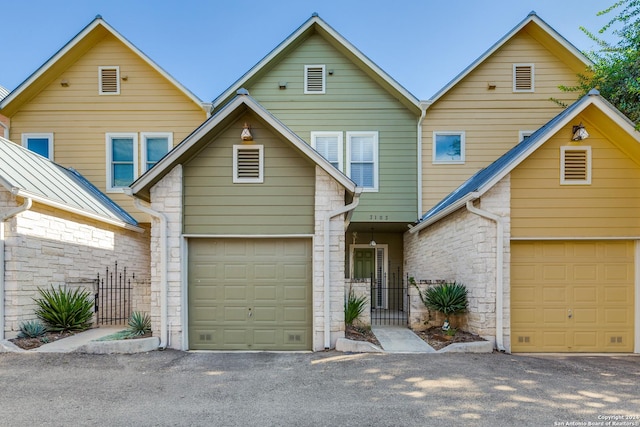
x=164, y=285
x=26, y=205
x=327, y=262
x=423, y=108
x=499, y=267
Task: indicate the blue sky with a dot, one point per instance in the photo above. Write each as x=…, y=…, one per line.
x=207, y=45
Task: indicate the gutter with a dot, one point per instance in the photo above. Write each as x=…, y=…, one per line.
x=499, y=267
x=327, y=262
x=3, y=217
x=164, y=285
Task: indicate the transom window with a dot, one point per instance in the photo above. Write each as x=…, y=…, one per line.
x=40, y=143
x=122, y=159
x=448, y=147
x=314, y=79
x=362, y=159
x=329, y=145
x=109, y=80
x=154, y=147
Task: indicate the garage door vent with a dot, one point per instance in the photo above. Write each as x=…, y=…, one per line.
x=295, y=338
x=525, y=340
x=205, y=337
x=616, y=340
x=575, y=165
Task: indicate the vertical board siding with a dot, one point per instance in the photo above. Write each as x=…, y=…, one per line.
x=608, y=207
x=353, y=101
x=79, y=117
x=493, y=118
x=283, y=204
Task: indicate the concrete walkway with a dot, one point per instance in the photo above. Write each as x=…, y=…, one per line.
x=400, y=339
x=72, y=343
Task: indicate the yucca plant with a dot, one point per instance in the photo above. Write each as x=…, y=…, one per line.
x=446, y=298
x=65, y=310
x=139, y=324
x=353, y=307
x=32, y=329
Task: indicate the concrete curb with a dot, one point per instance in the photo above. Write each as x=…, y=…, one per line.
x=140, y=345
x=468, y=347
x=7, y=346
x=350, y=346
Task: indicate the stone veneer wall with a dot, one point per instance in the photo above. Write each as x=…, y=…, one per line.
x=47, y=247
x=166, y=197
x=329, y=197
x=462, y=248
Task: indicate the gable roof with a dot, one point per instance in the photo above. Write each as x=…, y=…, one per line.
x=3, y=93
x=486, y=178
x=74, y=49
x=29, y=175
x=229, y=113
x=540, y=30
x=315, y=25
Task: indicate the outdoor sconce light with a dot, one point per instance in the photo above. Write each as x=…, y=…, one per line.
x=372, y=243
x=246, y=133
x=579, y=133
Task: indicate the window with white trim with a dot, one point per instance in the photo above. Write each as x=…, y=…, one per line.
x=362, y=159
x=154, y=146
x=523, y=77
x=329, y=145
x=575, y=165
x=448, y=147
x=40, y=143
x=524, y=134
x=248, y=164
x=109, y=80
x=314, y=79
x=122, y=160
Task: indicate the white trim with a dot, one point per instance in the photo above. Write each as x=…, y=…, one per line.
x=563, y=151
x=5, y=133
x=524, y=133
x=100, y=87
x=340, y=142
x=460, y=161
x=575, y=238
x=636, y=326
x=108, y=138
x=533, y=77
x=376, y=165
x=260, y=178
x=47, y=135
x=143, y=145
x=306, y=81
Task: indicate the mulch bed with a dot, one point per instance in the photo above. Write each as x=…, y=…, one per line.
x=433, y=336
x=31, y=343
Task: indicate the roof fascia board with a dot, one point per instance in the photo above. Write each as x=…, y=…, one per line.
x=316, y=20
x=75, y=40
x=532, y=17
x=445, y=212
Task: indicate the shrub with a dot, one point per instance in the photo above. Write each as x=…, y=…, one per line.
x=139, y=324
x=353, y=307
x=32, y=329
x=65, y=310
x=446, y=298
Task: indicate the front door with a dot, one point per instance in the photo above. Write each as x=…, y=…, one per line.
x=370, y=263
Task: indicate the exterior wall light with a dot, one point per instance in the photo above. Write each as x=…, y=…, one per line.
x=246, y=133
x=579, y=133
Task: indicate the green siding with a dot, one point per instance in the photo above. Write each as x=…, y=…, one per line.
x=283, y=204
x=353, y=101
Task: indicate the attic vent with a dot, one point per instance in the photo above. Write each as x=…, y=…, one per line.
x=575, y=165
x=523, y=77
x=248, y=165
x=109, y=78
x=314, y=79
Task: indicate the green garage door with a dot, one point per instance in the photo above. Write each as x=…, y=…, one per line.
x=250, y=294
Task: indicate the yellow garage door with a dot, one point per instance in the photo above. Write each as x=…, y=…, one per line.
x=572, y=296
x=250, y=294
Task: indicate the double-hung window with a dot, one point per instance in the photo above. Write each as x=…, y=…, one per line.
x=154, y=146
x=329, y=145
x=40, y=143
x=122, y=160
x=362, y=159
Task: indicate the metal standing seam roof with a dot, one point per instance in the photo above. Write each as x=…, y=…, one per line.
x=3, y=93
x=28, y=174
x=485, y=176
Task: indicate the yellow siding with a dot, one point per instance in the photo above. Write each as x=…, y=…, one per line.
x=79, y=118
x=608, y=207
x=492, y=118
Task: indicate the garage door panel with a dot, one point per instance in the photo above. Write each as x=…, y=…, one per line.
x=581, y=300
x=265, y=293
x=295, y=293
x=265, y=314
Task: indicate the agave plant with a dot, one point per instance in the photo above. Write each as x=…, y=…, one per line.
x=32, y=329
x=139, y=324
x=446, y=298
x=353, y=307
x=65, y=310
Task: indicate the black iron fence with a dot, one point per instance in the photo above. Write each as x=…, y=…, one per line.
x=389, y=300
x=113, y=297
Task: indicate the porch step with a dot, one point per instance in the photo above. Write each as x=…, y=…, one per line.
x=400, y=339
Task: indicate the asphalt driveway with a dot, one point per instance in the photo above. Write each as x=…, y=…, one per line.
x=174, y=388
